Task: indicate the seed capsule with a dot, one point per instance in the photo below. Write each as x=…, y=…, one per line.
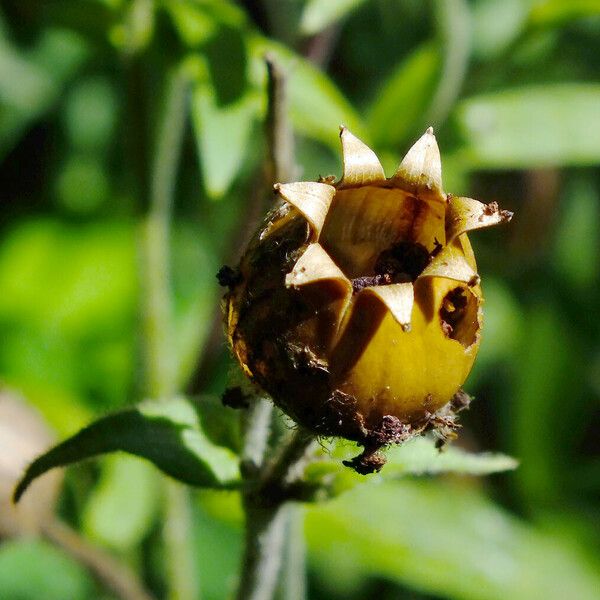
x=357, y=305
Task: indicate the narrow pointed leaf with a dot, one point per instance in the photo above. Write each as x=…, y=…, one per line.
x=400, y=106
x=415, y=458
x=167, y=433
x=529, y=127
x=31, y=84
x=222, y=132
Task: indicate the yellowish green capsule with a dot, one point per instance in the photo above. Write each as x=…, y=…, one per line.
x=357, y=305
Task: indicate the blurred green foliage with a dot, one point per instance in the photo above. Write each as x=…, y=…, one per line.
x=512, y=88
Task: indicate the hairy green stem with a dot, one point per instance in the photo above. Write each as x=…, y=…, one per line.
x=293, y=576
x=256, y=426
x=265, y=534
x=288, y=464
x=177, y=529
x=159, y=348
x=268, y=514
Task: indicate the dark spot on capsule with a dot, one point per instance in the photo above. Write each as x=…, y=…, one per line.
x=403, y=262
x=458, y=316
x=228, y=277
x=452, y=310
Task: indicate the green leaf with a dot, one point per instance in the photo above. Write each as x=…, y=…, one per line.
x=193, y=25
x=503, y=327
x=496, y=24
x=577, y=246
x=454, y=29
x=196, y=22
x=136, y=30
x=549, y=364
x=196, y=292
x=219, y=568
x=168, y=433
x=554, y=13
x=319, y=14
x=222, y=134
x=444, y=540
x=31, y=569
x=82, y=184
x=69, y=290
x=30, y=83
x=421, y=457
x=122, y=508
x=530, y=127
x=90, y=114
x=96, y=288
x=226, y=55
x=317, y=107
x=402, y=102
x=418, y=457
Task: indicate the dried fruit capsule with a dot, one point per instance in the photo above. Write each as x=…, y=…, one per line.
x=357, y=305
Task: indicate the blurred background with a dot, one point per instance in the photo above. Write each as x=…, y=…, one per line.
x=512, y=88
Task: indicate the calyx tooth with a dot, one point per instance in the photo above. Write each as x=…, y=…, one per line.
x=316, y=265
x=420, y=172
x=466, y=214
x=311, y=198
x=450, y=263
x=398, y=298
x=361, y=165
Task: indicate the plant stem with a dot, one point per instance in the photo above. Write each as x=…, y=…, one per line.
x=116, y=577
x=454, y=30
x=267, y=518
x=159, y=347
x=281, y=163
x=293, y=577
x=265, y=533
x=256, y=426
x=287, y=465
x=181, y=554
x=158, y=327
x=264, y=498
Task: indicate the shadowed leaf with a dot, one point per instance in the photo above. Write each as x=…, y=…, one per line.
x=417, y=457
x=167, y=433
x=400, y=105
x=445, y=540
x=222, y=133
x=553, y=13
x=319, y=14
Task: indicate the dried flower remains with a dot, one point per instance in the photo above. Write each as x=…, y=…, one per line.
x=357, y=305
